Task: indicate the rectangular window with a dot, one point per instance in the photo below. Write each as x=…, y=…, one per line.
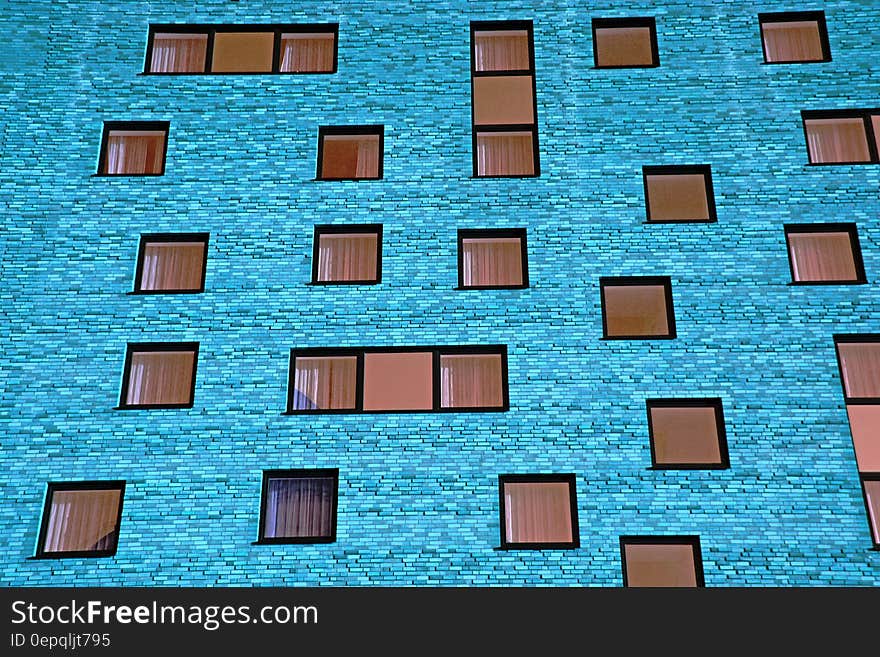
x=625, y=43
x=505, y=124
x=188, y=49
x=793, y=37
x=665, y=561
x=398, y=379
x=859, y=359
x=824, y=254
x=687, y=434
x=842, y=136
x=171, y=263
x=133, y=148
x=637, y=307
x=871, y=491
x=347, y=254
x=492, y=258
x=350, y=152
x=299, y=506
x=81, y=519
x=159, y=375
x=681, y=193
x=538, y=511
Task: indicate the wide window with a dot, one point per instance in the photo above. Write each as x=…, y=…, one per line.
x=664, y=561
x=299, y=506
x=842, y=136
x=538, y=511
x=81, y=519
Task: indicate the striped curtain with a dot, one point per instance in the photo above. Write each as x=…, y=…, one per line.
x=502, y=50
x=471, y=381
x=160, y=377
x=860, y=363
x=537, y=512
x=179, y=53
x=822, y=257
x=324, y=382
x=492, y=261
x=134, y=152
x=306, y=53
x=796, y=41
x=347, y=257
x=173, y=266
x=837, y=140
x=82, y=520
x=505, y=154
x=299, y=508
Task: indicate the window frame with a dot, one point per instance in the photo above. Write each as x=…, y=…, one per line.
x=642, y=539
x=854, y=338
x=360, y=352
x=627, y=22
x=353, y=131
x=491, y=233
x=64, y=486
x=865, y=114
x=153, y=347
x=337, y=229
x=538, y=478
x=624, y=281
x=155, y=238
x=690, y=402
x=873, y=532
x=153, y=126
x=792, y=17
x=305, y=473
x=681, y=170
x=850, y=228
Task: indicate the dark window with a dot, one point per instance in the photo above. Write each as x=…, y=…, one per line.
x=347, y=254
x=824, y=253
x=625, y=43
x=667, y=561
x=687, y=433
x=350, y=152
x=171, y=262
x=505, y=124
x=538, y=511
x=133, y=148
x=637, y=307
x=299, y=506
x=81, y=519
x=842, y=136
x=792, y=37
x=679, y=193
x=159, y=375
x=492, y=258
x=871, y=490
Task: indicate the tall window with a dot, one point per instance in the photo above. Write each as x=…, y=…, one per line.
x=625, y=42
x=637, y=307
x=824, y=254
x=794, y=37
x=347, y=254
x=350, y=152
x=171, y=263
x=842, y=136
x=81, y=519
x=664, y=561
x=538, y=511
x=299, y=506
x=492, y=258
x=159, y=375
x=133, y=148
x=505, y=124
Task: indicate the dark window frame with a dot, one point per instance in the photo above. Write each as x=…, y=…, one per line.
x=872, y=531
x=690, y=402
x=642, y=539
x=63, y=486
x=141, y=347
x=211, y=29
x=850, y=228
x=435, y=350
x=858, y=338
x=864, y=114
x=635, y=21
x=622, y=281
x=796, y=16
x=337, y=229
x=537, y=478
x=156, y=126
x=490, y=233
x=308, y=473
x=154, y=238
x=683, y=170
x=351, y=130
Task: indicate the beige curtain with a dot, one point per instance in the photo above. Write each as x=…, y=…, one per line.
x=160, y=377
x=350, y=156
x=306, y=53
x=299, y=508
x=538, y=512
x=492, y=261
x=173, y=266
x=179, y=53
x=796, y=41
x=837, y=140
x=368, y=157
x=347, y=257
x=505, y=154
x=822, y=257
x=82, y=520
x=471, y=381
x=860, y=363
x=324, y=382
x=130, y=152
x=501, y=50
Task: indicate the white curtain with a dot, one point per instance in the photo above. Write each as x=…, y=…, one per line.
x=347, y=257
x=796, y=41
x=173, y=266
x=822, y=256
x=837, y=140
x=860, y=363
x=538, y=512
x=179, y=53
x=161, y=377
x=306, y=53
x=492, y=261
x=505, y=154
x=324, y=382
x=82, y=520
x=367, y=157
x=471, y=381
x=502, y=50
x=134, y=152
x=299, y=508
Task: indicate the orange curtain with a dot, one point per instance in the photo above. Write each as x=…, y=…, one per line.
x=538, y=512
x=179, y=53
x=82, y=520
x=471, y=381
x=173, y=266
x=306, y=53
x=299, y=508
x=134, y=154
x=161, y=377
x=492, y=261
x=505, y=154
x=347, y=257
x=324, y=383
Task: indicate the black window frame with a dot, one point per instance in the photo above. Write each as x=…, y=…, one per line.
x=538, y=478
x=681, y=170
x=627, y=22
x=863, y=113
x=63, y=486
x=435, y=350
x=490, y=233
x=623, y=281
x=152, y=347
x=874, y=532
x=791, y=17
x=337, y=229
x=643, y=539
x=854, y=338
x=305, y=473
x=158, y=238
x=855, y=247
x=154, y=126
x=353, y=131
x=690, y=402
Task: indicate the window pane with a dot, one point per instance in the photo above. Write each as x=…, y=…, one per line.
x=795, y=41
x=172, y=266
x=324, y=382
x=624, y=46
x=299, y=508
x=685, y=435
x=307, y=52
x=398, y=381
x=134, y=151
x=505, y=154
x=243, y=52
x=872, y=492
x=491, y=261
x=501, y=50
x=822, y=257
x=347, y=257
x=503, y=100
x=837, y=140
x=82, y=520
x=160, y=377
x=860, y=363
x=677, y=197
x=660, y=565
x=350, y=156
x=864, y=422
x=471, y=380
x=537, y=512
x=635, y=310
x=179, y=53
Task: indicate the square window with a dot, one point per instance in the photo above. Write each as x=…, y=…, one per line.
x=350, y=152
x=538, y=511
x=637, y=307
x=625, y=43
x=687, y=434
x=503, y=100
x=502, y=50
x=792, y=37
x=492, y=258
x=81, y=519
x=842, y=136
x=243, y=52
x=308, y=52
x=323, y=383
x=133, y=148
x=472, y=381
x=159, y=375
x=347, y=254
x=679, y=193
x=666, y=561
x=171, y=262
x=506, y=153
x=864, y=424
x=871, y=490
x=859, y=359
x=824, y=253
x=178, y=52
x=299, y=506
x=398, y=381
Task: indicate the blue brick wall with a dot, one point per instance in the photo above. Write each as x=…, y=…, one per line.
x=418, y=498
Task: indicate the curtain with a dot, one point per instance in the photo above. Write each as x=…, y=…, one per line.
x=471, y=381
x=860, y=363
x=505, y=154
x=368, y=158
x=161, y=377
x=82, y=520
x=538, y=512
x=350, y=156
x=872, y=492
x=179, y=53
x=135, y=152
x=347, y=257
x=822, y=257
x=173, y=266
x=837, y=140
x=492, y=261
x=306, y=53
x=792, y=42
x=506, y=50
x=299, y=508
x=324, y=382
